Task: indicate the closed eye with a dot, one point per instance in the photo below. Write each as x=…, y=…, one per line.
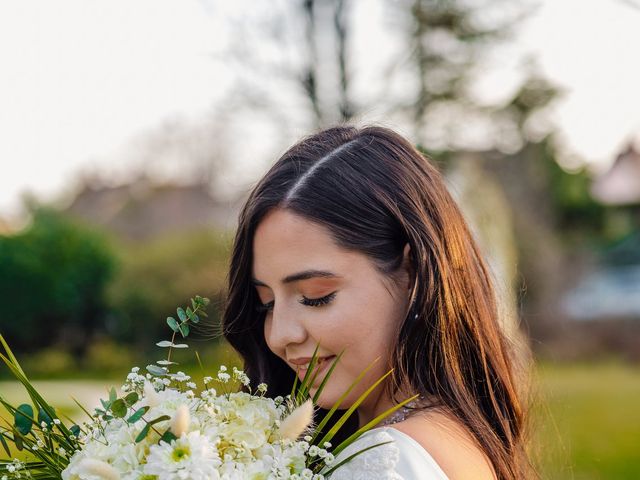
x=310, y=302
x=318, y=302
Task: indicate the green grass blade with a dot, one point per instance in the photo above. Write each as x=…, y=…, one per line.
x=334, y=364
x=307, y=376
x=338, y=403
x=36, y=398
x=11, y=356
x=348, y=441
x=352, y=408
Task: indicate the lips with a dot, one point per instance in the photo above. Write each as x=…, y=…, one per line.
x=301, y=364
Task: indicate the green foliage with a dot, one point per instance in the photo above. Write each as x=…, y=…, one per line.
x=156, y=276
x=53, y=281
x=574, y=207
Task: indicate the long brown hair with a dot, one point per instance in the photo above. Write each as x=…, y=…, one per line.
x=375, y=193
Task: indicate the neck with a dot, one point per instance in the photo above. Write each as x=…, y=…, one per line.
x=376, y=405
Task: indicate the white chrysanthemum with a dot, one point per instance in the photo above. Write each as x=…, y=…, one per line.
x=192, y=456
x=243, y=421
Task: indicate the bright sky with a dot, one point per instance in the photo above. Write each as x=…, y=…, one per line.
x=80, y=79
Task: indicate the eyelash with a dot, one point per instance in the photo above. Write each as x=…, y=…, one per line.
x=310, y=302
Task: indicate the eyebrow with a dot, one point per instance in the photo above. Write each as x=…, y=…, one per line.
x=305, y=275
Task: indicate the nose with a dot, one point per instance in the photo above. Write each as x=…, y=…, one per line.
x=283, y=328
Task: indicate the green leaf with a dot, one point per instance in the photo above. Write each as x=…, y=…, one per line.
x=44, y=417
x=4, y=444
x=137, y=415
x=23, y=418
x=184, y=330
x=172, y=323
x=166, y=362
x=157, y=371
x=131, y=398
x=327, y=376
x=119, y=408
x=336, y=406
x=336, y=427
x=112, y=395
x=143, y=433
x=159, y=419
x=189, y=313
x=181, y=315
x=75, y=430
x=168, y=437
x=17, y=440
x=372, y=423
x=195, y=318
x=300, y=396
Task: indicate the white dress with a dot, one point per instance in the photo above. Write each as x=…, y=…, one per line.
x=402, y=459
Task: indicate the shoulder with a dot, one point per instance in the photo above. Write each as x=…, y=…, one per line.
x=449, y=443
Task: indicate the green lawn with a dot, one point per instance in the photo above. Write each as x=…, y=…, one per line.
x=586, y=418
x=588, y=422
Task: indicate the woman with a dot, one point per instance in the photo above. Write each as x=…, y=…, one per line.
x=351, y=241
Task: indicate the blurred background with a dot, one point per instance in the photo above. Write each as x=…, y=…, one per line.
x=133, y=130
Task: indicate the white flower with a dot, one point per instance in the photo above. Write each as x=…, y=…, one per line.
x=192, y=457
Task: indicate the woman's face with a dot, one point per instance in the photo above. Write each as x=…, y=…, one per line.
x=315, y=292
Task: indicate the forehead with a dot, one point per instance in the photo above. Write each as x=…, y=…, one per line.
x=285, y=242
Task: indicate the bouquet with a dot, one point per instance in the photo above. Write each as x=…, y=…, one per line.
x=164, y=427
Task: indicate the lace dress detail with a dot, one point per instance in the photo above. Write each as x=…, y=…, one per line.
x=402, y=459
x=379, y=463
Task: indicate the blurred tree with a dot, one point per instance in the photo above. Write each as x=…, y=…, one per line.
x=161, y=274
x=446, y=41
x=52, y=283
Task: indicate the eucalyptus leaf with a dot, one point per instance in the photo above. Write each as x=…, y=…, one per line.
x=23, y=419
x=166, y=362
x=131, y=398
x=159, y=419
x=168, y=436
x=165, y=344
x=43, y=416
x=184, y=330
x=119, y=408
x=181, y=345
x=143, y=433
x=181, y=314
x=195, y=318
x=157, y=371
x=137, y=415
x=172, y=323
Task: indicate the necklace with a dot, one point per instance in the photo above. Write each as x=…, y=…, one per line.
x=402, y=413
